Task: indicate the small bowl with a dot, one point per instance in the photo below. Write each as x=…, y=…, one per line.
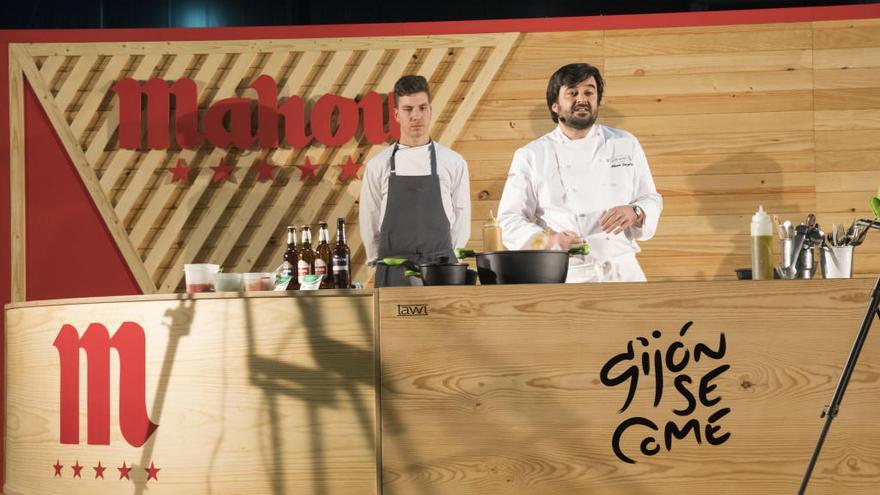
x=227, y=282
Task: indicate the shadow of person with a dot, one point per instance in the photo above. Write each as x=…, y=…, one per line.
x=709, y=201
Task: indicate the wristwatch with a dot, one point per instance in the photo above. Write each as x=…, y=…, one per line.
x=640, y=213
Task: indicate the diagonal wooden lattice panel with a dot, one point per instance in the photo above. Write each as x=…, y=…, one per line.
x=160, y=225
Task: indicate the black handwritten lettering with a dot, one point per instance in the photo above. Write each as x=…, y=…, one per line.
x=706, y=387
x=669, y=362
x=679, y=381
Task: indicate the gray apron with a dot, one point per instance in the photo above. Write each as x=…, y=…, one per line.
x=415, y=226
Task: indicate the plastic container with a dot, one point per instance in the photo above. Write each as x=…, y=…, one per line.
x=227, y=282
x=259, y=281
x=762, y=245
x=200, y=277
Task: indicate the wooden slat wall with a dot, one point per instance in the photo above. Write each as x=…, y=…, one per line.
x=784, y=115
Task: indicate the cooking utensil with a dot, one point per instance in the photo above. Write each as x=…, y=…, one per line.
x=440, y=272
x=531, y=266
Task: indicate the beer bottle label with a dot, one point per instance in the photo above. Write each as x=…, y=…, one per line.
x=320, y=267
x=340, y=264
x=303, y=269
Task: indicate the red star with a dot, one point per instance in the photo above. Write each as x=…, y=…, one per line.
x=57, y=467
x=308, y=170
x=222, y=172
x=123, y=471
x=77, y=470
x=265, y=170
x=99, y=470
x=349, y=170
x=180, y=173
x=152, y=471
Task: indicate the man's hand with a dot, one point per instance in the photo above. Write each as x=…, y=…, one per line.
x=619, y=218
x=564, y=240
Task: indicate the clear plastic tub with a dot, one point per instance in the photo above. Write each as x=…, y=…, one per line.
x=259, y=281
x=200, y=276
x=227, y=282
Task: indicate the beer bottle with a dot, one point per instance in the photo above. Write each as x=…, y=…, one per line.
x=306, y=264
x=291, y=259
x=341, y=260
x=322, y=261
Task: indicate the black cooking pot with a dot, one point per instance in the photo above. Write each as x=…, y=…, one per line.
x=440, y=272
x=534, y=266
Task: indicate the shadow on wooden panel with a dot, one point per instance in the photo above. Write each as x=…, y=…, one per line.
x=336, y=362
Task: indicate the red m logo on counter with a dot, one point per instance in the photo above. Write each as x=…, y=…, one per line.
x=334, y=120
x=129, y=342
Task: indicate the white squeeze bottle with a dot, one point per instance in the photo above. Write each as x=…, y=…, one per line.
x=762, y=245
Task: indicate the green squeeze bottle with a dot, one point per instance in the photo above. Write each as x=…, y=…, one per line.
x=762, y=245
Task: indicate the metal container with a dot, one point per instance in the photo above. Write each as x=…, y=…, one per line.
x=806, y=263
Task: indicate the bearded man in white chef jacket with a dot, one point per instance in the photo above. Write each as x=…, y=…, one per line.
x=584, y=182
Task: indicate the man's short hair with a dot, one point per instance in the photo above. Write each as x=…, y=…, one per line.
x=410, y=85
x=571, y=75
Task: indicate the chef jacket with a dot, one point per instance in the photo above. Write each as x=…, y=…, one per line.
x=563, y=184
x=415, y=160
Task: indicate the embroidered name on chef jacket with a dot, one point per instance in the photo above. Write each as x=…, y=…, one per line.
x=621, y=161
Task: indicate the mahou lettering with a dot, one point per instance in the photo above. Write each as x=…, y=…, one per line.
x=332, y=121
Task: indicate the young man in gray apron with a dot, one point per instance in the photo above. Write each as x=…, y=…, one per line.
x=415, y=195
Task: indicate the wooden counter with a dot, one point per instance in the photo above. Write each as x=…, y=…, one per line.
x=498, y=390
x=257, y=395
x=484, y=390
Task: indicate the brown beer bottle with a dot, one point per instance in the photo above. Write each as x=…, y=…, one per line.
x=322, y=261
x=341, y=259
x=291, y=259
x=306, y=263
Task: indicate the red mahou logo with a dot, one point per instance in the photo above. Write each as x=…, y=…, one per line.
x=129, y=342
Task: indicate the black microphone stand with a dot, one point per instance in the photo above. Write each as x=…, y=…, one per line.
x=830, y=411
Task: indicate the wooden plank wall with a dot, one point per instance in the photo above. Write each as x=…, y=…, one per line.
x=784, y=115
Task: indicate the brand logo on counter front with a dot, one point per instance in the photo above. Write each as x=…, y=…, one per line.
x=129, y=342
x=412, y=310
x=668, y=365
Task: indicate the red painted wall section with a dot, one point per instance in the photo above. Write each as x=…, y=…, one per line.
x=70, y=252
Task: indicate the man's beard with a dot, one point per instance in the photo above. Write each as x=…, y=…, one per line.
x=579, y=123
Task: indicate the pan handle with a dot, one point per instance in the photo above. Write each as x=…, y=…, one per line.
x=583, y=249
x=400, y=262
x=412, y=273
x=462, y=253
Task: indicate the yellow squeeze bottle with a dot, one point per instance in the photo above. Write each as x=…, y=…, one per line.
x=492, y=235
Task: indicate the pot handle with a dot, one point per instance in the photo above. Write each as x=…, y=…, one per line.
x=583, y=249
x=400, y=262
x=462, y=253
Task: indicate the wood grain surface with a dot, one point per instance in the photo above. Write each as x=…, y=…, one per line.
x=499, y=390
x=270, y=395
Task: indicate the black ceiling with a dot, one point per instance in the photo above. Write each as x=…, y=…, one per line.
x=49, y=14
